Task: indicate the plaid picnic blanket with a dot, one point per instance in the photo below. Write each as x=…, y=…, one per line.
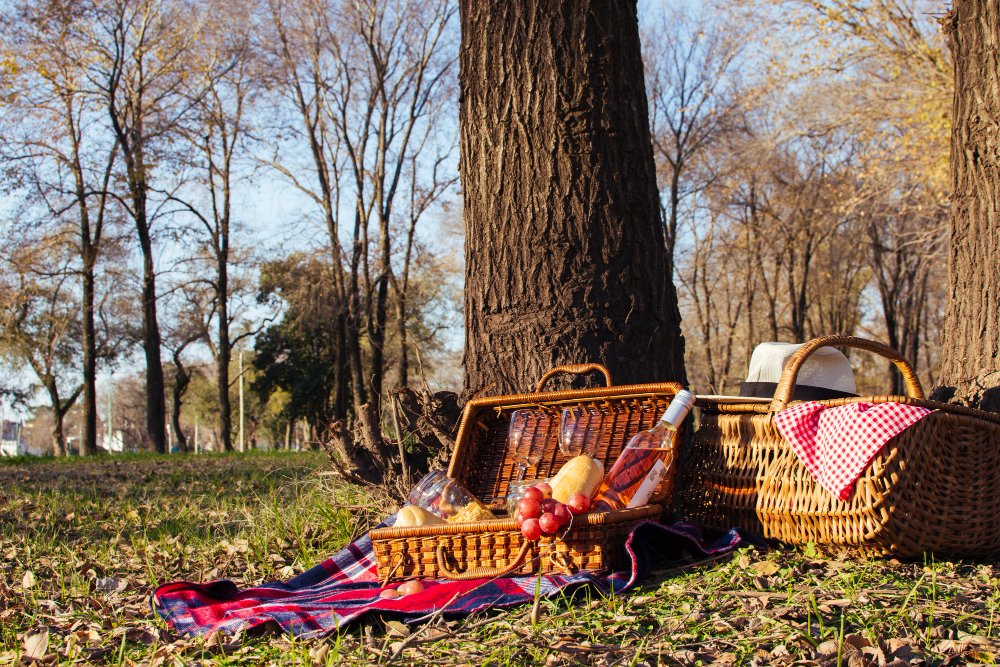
x=345, y=587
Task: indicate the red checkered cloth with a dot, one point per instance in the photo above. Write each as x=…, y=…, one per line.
x=345, y=587
x=837, y=444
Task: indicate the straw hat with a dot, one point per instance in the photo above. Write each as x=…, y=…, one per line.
x=826, y=373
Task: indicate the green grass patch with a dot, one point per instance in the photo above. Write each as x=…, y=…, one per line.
x=82, y=543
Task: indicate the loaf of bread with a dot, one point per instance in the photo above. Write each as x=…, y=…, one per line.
x=581, y=474
x=411, y=515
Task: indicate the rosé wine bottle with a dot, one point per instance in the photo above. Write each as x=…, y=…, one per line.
x=646, y=459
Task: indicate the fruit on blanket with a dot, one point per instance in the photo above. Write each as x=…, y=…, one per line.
x=411, y=515
x=578, y=503
x=529, y=509
x=530, y=529
x=408, y=587
x=549, y=523
x=389, y=594
x=581, y=474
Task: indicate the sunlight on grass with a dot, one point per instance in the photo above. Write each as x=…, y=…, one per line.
x=96, y=537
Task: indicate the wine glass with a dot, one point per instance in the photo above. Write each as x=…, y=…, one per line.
x=522, y=443
x=580, y=430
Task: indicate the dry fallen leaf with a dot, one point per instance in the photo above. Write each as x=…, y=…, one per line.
x=110, y=585
x=28, y=581
x=765, y=568
x=36, y=645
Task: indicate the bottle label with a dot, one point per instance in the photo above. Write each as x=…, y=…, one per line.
x=645, y=490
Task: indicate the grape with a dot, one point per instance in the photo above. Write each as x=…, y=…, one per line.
x=529, y=508
x=545, y=488
x=519, y=519
x=530, y=529
x=578, y=503
x=562, y=513
x=549, y=505
x=533, y=493
x=549, y=523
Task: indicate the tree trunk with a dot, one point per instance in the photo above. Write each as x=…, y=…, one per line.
x=970, y=368
x=156, y=413
x=88, y=440
x=224, y=352
x=565, y=257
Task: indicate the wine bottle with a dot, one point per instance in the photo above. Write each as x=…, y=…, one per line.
x=646, y=459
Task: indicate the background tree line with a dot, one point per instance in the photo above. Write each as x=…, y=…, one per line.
x=801, y=153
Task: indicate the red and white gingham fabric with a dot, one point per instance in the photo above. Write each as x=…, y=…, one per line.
x=837, y=444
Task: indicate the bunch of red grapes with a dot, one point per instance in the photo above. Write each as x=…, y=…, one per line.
x=539, y=513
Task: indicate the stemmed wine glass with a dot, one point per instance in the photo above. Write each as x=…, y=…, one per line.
x=522, y=443
x=580, y=431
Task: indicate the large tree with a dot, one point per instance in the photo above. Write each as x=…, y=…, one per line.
x=970, y=368
x=565, y=255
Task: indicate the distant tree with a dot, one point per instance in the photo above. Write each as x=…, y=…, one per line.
x=39, y=328
x=565, y=254
x=695, y=100
x=140, y=74
x=297, y=354
x=970, y=369
x=367, y=82
x=218, y=128
x=59, y=155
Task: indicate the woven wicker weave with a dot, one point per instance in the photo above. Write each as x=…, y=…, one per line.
x=935, y=487
x=483, y=464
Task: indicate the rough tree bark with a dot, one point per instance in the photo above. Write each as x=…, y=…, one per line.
x=565, y=257
x=970, y=368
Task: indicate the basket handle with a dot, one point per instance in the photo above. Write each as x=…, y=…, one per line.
x=480, y=572
x=786, y=385
x=574, y=369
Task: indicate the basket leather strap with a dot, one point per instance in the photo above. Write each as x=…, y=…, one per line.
x=786, y=385
x=480, y=572
x=574, y=369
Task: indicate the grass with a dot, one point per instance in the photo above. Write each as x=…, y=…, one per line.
x=82, y=544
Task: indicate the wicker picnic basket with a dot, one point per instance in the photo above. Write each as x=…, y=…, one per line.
x=482, y=462
x=934, y=487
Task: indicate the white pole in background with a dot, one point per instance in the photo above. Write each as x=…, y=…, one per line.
x=196, y=433
x=241, y=401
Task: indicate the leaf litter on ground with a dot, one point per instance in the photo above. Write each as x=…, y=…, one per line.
x=84, y=542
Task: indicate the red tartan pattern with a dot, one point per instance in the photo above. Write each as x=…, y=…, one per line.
x=837, y=444
x=345, y=587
